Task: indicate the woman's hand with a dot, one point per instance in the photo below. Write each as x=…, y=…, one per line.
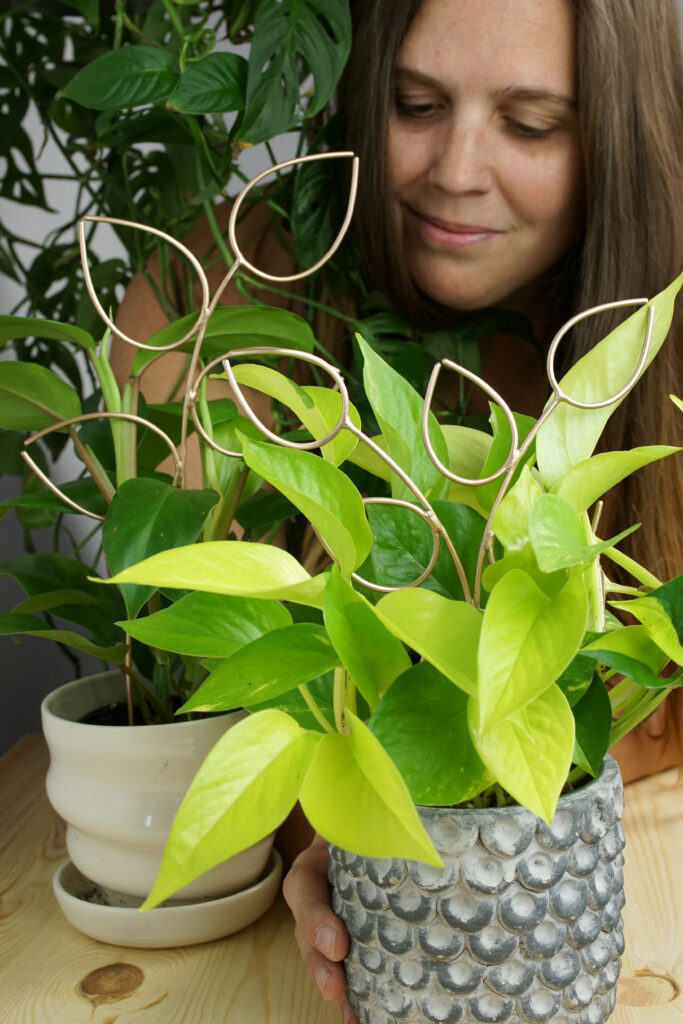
x=322, y=938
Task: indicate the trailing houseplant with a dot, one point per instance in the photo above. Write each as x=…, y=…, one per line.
x=494, y=672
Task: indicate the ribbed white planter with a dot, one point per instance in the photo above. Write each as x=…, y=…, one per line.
x=118, y=790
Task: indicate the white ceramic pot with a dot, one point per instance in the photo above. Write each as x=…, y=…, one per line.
x=118, y=789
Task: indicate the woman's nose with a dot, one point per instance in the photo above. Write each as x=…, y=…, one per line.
x=460, y=159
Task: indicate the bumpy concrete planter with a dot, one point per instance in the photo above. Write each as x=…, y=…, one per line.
x=523, y=925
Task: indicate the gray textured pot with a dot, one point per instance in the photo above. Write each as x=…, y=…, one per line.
x=523, y=925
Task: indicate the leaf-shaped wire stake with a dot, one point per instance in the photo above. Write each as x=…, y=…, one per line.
x=507, y=412
x=84, y=418
x=562, y=396
x=203, y=314
x=301, y=274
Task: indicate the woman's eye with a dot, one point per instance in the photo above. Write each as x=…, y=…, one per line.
x=415, y=108
x=526, y=131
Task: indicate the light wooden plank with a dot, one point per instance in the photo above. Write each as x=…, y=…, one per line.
x=257, y=977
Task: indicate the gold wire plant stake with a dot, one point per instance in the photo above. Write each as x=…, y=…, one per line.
x=196, y=380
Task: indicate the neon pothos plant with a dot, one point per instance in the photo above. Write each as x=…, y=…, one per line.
x=458, y=648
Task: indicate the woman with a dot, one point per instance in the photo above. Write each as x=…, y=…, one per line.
x=528, y=154
x=524, y=154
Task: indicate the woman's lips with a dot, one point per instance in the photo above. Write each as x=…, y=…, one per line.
x=453, y=236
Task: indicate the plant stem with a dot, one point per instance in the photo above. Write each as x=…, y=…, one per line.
x=314, y=708
x=634, y=568
x=638, y=712
x=340, y=699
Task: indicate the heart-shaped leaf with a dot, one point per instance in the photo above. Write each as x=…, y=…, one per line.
x=274, y=663
x=354, y=796
x=322, y=492
x=245, y=788
x=371, y=654
x=530, y=752
x=444, y=632
x=208, y=625
x=527, y=640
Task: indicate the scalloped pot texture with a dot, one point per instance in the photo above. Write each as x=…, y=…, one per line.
x=523, y=925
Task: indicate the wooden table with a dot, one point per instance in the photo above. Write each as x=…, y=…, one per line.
x=256, y=977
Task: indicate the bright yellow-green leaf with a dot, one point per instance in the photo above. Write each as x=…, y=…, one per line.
x=530, y=752
x=318, y=408
x=372, y=655
x=325, y=495
x=658, y=624
x=527, y=641
x=234, y=567
x=569, y=435
x=354, y=796
x=589, y=480
x=510, y=521
x=244, y=789
x=633, y=641
x=443, y=631
x=468, y=450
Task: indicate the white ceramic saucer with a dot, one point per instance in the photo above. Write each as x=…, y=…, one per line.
x=113, y=916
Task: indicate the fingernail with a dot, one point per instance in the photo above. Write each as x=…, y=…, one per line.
x=322, y=975
x=325, y=938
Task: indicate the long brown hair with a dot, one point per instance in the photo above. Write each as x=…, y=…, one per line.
x=630, y=102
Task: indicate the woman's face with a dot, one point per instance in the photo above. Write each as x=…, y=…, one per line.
x=484, y=154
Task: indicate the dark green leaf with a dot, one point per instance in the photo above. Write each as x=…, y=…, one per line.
x=403, y=544
x=593, y=717
x=576, y=678
x=234, y=327
x=291, y=41
x=30, y=626
x=213, y=85
x=275, y=663
x=127, y=77
x=32, y=397
x=422, y=724
x=146, y=517
x=208, y=625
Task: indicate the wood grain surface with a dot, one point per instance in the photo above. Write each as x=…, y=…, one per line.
x=51, y=974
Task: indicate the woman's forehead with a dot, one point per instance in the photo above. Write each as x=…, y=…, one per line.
x=499, y=43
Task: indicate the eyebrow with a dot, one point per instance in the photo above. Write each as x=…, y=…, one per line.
x=513, y=92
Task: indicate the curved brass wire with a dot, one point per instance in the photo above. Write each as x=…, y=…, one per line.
x=561, y=395
x=84, y=418
x=232, y=223
x=203, y=310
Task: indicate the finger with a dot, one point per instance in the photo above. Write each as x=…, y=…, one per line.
x=327, y=976
x=306, y=890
